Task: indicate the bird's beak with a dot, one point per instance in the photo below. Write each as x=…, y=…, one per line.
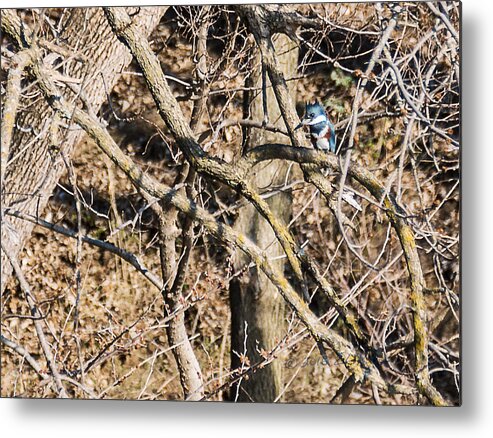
x=302, y=123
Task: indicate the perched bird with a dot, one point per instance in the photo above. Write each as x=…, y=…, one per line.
x=323, y=137
x=322, y=132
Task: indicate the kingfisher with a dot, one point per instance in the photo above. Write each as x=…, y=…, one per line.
x=323, y=137
x=322, y=131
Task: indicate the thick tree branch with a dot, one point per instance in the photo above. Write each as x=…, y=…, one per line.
x=402, y=229
x=173, y=270
x=359, y=365
x=173, y=117
x=259, y=25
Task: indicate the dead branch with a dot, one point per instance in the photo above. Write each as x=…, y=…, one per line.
x=38, y=325
x=129, y=257
x=262, y=35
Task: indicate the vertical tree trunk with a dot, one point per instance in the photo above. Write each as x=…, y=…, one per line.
x=95, y=59
x=257, y=309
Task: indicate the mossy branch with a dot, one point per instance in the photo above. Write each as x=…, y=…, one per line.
x=260, y=23
x=172, y=115
x=361, y=367
x=227, y=173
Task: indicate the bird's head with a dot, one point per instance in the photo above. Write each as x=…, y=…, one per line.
x=314, y=115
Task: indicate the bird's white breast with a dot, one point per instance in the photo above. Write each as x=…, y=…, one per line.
x=323, y=143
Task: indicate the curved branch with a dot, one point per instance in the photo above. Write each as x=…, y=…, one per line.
x=259, y=25
x=129, y=257
x=172, y=115
x=361, y=367
x=403, y=230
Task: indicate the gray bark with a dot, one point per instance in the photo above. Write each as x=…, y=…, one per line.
x=34, y=164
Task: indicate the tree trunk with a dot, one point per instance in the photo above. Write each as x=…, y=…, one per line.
x=34, y=164
x=257, y=309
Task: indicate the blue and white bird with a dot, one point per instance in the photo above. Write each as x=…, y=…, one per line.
x=322, y=131
x=323, y=137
